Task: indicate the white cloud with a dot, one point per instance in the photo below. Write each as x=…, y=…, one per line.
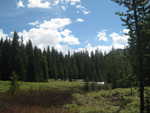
x=120, y=41
x=86, y=12
x=117, y=38
x=38, y=4
x=103, y=48
x=119, y=46
x=2, y=34
x=34, y=23
x=63, y=48
x=55, y=34
x=82, y=9
x=63, y=8
x=126, y=31
x=73, y=2
x=80, y=20
x=20, y=4
x=102, y=36
x=55, y=2
x=63, y=4
x=69, y=38
x=116, y=41
x=56, y=23
x=51, y=33
x=89, y=47
x=66, y=32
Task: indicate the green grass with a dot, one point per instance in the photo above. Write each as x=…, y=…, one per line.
x=113, y=101
x=67, y=97
x=52, y=84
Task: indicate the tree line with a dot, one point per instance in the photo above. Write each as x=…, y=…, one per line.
x=33, y=64
x=119, y=68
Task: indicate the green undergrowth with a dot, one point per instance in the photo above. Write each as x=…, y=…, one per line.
x=104, y=101
x=52, y=84
x=67, y=97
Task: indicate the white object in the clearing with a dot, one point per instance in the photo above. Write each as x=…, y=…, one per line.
x=100, y=83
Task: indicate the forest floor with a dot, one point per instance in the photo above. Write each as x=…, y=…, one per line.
x=66, y=97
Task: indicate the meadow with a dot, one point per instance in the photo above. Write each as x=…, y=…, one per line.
x=66, y=97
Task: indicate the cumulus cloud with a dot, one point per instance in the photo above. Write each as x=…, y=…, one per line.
x=73, y=2
x=2, y=34
x=54, y=33
x=80, y=20
x=56, y=23
x=51, y=33
x=66, y=32
x=125, y=31
x=63, y=4
x=89, y=47
x=102, y=36
x=115, y=40
x=103, y=48
x=69, y=37
x=20, y=4
x=34, y=23
x=71, y=40
x=38, y=4
x=118, y=38
x=118, y=46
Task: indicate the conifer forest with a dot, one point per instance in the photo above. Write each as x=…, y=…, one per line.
x=48, y=80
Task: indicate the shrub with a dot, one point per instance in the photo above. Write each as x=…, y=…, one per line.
x=14, y=85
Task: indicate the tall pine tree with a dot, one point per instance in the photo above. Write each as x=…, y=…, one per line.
x=134, y=17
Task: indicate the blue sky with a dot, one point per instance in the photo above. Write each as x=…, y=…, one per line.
x=65, y=24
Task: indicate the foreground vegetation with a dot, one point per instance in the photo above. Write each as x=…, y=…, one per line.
x=66, y=97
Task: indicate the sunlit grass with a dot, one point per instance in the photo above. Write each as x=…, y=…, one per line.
x=67, y=97
x=107, y=101
x=51, y=84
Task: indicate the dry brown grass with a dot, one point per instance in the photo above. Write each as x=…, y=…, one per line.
x=33, y=109
x=37, y=101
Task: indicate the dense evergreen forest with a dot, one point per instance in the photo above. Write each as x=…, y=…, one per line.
x=118, y=68
x=33, y=64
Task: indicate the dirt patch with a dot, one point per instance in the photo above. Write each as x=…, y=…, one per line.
x=47, y=101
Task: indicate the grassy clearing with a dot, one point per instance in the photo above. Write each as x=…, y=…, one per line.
x=113, y=101
x=52, y=84
x=44, y=97
x=66, y=97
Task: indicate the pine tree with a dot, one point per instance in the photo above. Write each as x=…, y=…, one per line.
x=134, y=17
x=15, y=53
x=44, y=64
x=49, y=62
x=30, y=61
x=23, y=60
x=5, y=63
